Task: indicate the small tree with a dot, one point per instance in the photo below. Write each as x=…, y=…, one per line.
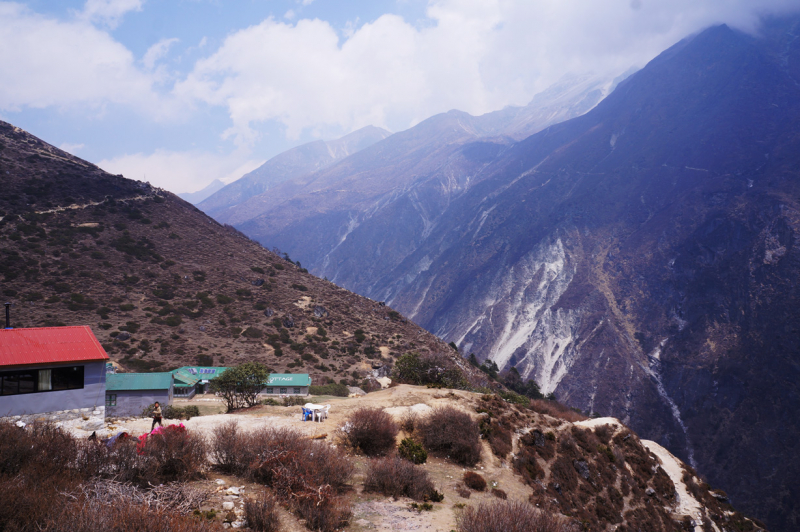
x=239, y=386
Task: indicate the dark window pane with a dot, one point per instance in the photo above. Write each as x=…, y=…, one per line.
x=68, y=378
x=27, y=381
x=283, y=390
x=10, y=384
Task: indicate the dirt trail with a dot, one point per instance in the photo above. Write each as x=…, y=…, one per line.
x=687, y=504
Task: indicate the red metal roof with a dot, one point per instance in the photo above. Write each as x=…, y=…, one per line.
x=49, y=345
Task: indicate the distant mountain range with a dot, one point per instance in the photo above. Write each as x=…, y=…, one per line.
x=237, y=200
x=200, y=195
x=638, y=260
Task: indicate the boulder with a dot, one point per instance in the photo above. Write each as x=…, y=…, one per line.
x=320, y=312
x=288, y=321
x=582, y=468
x=269, y=312
x=123, y=336
x=258, y=282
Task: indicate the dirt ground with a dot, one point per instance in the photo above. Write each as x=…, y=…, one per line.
x=370, y=511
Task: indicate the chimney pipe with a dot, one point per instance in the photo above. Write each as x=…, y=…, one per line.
x=8, y=315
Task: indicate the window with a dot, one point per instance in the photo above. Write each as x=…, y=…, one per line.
x=70, y=378
x=270, y=390
x=41, y=380
x=111, y=399
x=283, y=390
x=297, y=390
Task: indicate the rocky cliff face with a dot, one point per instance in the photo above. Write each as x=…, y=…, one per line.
x=639, y=260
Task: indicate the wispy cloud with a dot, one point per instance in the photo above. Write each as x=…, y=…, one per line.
x=109, y=13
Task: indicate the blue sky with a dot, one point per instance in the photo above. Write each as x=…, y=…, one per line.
x=180, y=92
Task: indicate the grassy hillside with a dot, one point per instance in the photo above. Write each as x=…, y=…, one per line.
x=163, y=285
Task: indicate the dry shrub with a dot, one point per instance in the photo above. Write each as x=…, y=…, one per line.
x=409, y=421
x=604, y=433
x=174, y=454
x=262, y=514
x=48, y=481
x=396, y=477
x=27, y=500
x=462, y=490
x=500, y=441
x=513, y=516
x=306, y=474
x=556, y=410
x=451, y=433
x=324, y=515
x=474, y=481
x=91, y=515
x=500, y=494
x=228, y=448
x=370, y=430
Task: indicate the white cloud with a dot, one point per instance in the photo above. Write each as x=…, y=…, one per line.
x=157, y=51
x=71, y=148
x=290, y=15
x=181, y=171
x=67, y=63
x=475, y=55
x=109, y=12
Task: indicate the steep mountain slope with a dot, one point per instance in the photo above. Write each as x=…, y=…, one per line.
x=163, y=285
x=230, y=203
x=641, y=261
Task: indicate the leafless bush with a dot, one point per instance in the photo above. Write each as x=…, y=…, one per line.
x=474, y=481
x=370, y=430
x=409, y=421
x=92, y=515
x=306, y=474
x=451, y=433
x=324, y=515
x=173, y=455
x=396, y=477
x=463, y=490
x=500, y=494
x=262, y=514
x=513, y=516
x=227, y=447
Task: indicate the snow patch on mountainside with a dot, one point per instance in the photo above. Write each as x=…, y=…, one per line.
x=517, y=311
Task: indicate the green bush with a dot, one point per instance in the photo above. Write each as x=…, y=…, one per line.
x=429, y=369
x=412, y=451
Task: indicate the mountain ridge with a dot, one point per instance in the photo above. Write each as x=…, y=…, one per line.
x=638, y=260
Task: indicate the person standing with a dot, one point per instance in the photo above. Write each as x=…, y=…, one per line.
x=156, y=416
